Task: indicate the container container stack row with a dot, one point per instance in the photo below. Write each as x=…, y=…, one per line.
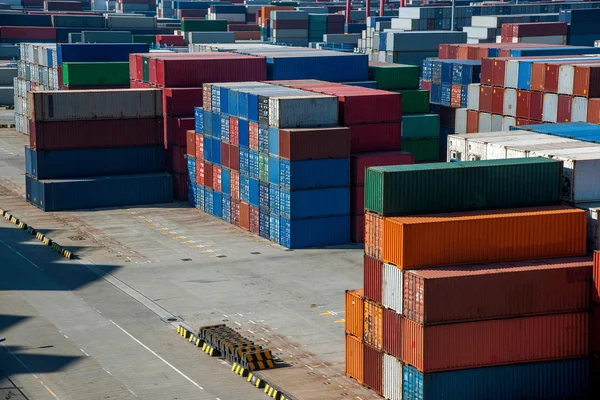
x=69, y=66
x=119, y=161
x=324, y=24
x=583, y=27
x=595, y=331
x=539, y=33
x=488, y=29
x=289, y=28
x=468, y=278
x=272, y=160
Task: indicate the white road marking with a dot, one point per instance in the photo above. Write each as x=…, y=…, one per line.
x=83, y=351
x=21, y=255
x=156, y=355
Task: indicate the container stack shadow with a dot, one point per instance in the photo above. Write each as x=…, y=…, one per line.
x=476, y=284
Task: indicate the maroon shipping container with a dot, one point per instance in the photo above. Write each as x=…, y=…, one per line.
x=373, y=276
x=593, y=112
x=63, y=6
x=490, y=291
x=289, y=24
x=536, y=106
x=425, y=85
x=247, y=35
x=595, y=329
x=67, y=135
x=176, y=128
x=192, y=13
x=170, y=40
x=135, y=67
x=375, y=137
x=538, y=72
x=485, y=99
x=235, y=212
x=154, y=57
x=313, y=143
x=225, y=155
x=523, y=99
x=234, y=185
x=180, y=186
x=373, y=369
x=539, y=29
x=253, y=135
x=472, y=121
x=586, y=81
x=28, y=32
x=444, y=52
x=357, y=228
x=243, y=28
x=234, y=157
x=494, y=342
x=191, y=143
x=180, y=102
x=563, y=113
x=499, y=72
x=176, y=161
x=498, y=100
x=523, y=121
x=216, y=174
x=357, y=199
x=360, y=162
x=487, y=71
x=254, y=220
x=184, y=72
x=392, y=333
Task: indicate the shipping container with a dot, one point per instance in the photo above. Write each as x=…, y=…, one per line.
x=373, y=274
x=502, y=238
x=373, y=330
x=392, y=288
x=386, y=188
x=586, y=80
x=392, y=378
x=373, y=369
x=489, y=291
x=596, y=278
x=180, y=102
x=366, y=138
x=558, y=380
x=373, y=235
x=392, y=332
x=314, y=232
x=310, y=174
x=354, y=358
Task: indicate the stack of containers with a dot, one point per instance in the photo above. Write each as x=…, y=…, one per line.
x=289, y=28
x=437, y=322
x=265, y=20
x=535, y=32
x=231, y=13
x=323, y=24
x=583, y=27
x=244, y=31
x=182, y=76
x=119, y=161
x=273, y=161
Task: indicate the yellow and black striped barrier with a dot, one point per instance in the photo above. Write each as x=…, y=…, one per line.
x=7, y=126
x=38, y=235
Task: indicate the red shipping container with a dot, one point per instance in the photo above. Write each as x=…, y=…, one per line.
x=452, y=51
x=392, y=333
x=498, y=100
x=498, y=74
x=491, y=291
x=375, y=137
x=595, y=329
x=538, y=73
x=373, y=275
x=586, y=81
x=455, y=96
x=539, y=29
x=185, y=72
x=357, y=228
x=225, y=154
x=253, y=135
x=234, y=185
x=536, y=105
x=596, y=277
x=362, y=105
x=360, y=162
x=494, y=342
x=425, y=85
x=28, y=32
x=235, y=212
x=523, y=99
x=180, y=102
x=176, y=161
x=246, y=35
x=593, y=112
x=199, y=147
x=154, y=57
x=180, y=187
x=564, y=108
x=135, y=67
x=234, y=133
x=176, y=128
x=314, y=143
x=254, y=220
x=444, y=52
x=485, y=99
x=216, y=178
x=100, y=133
x=234, y=157
x=206, y=175
x=373, y=369
x=487, y=71
x=357, y=199
x=373, y=235
x=191, y=143
x=472, y=121
x=244, y=215
x=170, y=40
x=522, y=121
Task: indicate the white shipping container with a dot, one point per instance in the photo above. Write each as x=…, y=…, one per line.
x=593, y=228
x=511, y=74
x=485, y=122
x=473, y=96
x=457, y=144
x=496, y=123
x=510, y=102
x=508, y=122
x=303, y=111
x=392, y=288
x=460, y=121
x=500, y=150
x=529, y=150
x=239, y=18
x=550, y=110
x=566, y=75
x=579, y=107
x=392, y=378
x=477, y=146
x=581, y=181
x=69, y=105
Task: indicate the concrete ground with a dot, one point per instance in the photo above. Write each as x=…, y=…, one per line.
x=103, y=326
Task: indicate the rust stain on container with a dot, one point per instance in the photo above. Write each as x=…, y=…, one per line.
x=479, y=237
x=355, y=308
x=373, y=329
x=355, y=358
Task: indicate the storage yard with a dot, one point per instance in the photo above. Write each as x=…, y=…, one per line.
x=299, y=200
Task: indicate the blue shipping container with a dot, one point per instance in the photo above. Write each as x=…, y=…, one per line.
x=253, y=192
x=216, y=151
x=232, y=106
x=333, y=68
x=207, y=123
x=209, y=197
x=313, y=232
x=97, y=52
x=223, y=100
x=243, y=132
x=225, y=128
x=216, y=126
x=192, y=194
x=61, y=164
x=217, y=206
x=226, y=208
x=199, y=120
x=200, y=197
x=308, y=174
x=264, y=229
x=273, y=141
x=245, y=189
x=244, y=161
x=253, y=163
x=274, y=199
x=263, y=139
x=565, y=379
x=208, y=148
x=300, y=204
x=191, y=166
x=274, y=170
x=226, y=181
x=106, y=191
x=263, y=194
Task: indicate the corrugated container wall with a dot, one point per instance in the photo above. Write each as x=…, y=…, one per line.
x=373, y=273
x=373, y=369
x=373, y=331
x=392, y=378
x=355, y=358
x=355, y=308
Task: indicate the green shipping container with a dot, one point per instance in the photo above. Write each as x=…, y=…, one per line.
x=462, y=186
x=204, y=25
x=420, y=126
x=395, y=76
x=263, y=167
x=150, y=39
x=95, y=74
x=424, y=150
x=414, y=101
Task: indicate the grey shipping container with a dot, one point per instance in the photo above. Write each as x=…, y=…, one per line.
x=106, y=37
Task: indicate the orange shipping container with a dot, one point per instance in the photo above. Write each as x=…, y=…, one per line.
x=373, y=235
x=354, y=358
x=480, y=237
x=494, y=342
x=355, y=311
x=373, y=331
